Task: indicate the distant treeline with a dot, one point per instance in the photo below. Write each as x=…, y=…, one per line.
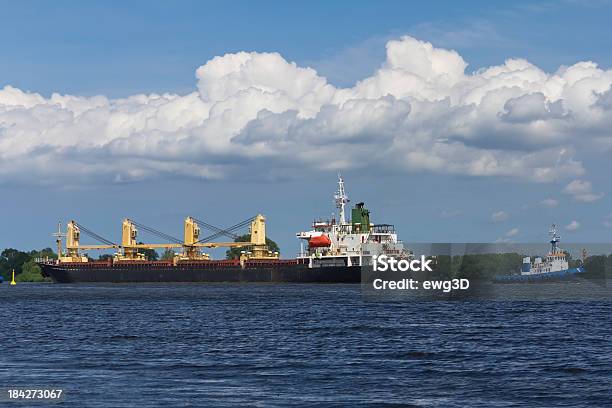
x=23, y=263
x=26, y=270
x=479, y=266
x=598, y=267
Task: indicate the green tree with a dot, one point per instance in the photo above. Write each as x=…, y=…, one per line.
x=44, y=253
x=30, y=273
x=24, y=264
x=486, y=266
x=234, y=253
x=168, y=255
x=442, y=266
x=150, y=254
x=472, y=266
x=11, y=259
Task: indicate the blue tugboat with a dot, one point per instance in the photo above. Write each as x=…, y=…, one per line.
x=554, y=267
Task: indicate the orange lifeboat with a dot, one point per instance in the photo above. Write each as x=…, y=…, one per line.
x=320, y=241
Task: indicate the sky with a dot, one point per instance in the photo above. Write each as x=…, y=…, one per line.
x=456, y=121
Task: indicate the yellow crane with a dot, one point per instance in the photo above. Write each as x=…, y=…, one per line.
x=257, y=244
x=73, y=244
x=191, y=244
x=130, y=245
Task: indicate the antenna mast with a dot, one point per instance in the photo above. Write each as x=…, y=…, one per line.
x=58, y=239
x=341, y=199
x=554, y=238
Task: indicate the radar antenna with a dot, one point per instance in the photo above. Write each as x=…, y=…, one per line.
x=341, y=199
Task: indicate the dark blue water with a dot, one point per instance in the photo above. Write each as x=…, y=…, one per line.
x=265, y=345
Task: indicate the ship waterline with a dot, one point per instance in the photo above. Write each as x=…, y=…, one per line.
x=159, y=272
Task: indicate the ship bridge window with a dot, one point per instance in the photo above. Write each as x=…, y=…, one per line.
x=383, y=229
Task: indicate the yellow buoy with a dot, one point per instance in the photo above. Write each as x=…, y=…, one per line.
x=13, y=281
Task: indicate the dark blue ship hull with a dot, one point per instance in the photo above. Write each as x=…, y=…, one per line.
x=567, y=274
x=224, y=271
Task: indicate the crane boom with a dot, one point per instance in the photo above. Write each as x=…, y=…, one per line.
x=153, y=246
x=77, y=247
x=222, y=244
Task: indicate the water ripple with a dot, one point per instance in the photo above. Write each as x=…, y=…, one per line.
x=296, y=345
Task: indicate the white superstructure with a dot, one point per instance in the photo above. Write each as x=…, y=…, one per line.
x=349, y=243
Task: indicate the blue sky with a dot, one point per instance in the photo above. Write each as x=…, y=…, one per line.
x=121, y=49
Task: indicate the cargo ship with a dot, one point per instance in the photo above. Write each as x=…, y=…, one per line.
x=332, y=251
x=554, y=267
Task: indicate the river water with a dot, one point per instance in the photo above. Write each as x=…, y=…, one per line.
x=283, y=345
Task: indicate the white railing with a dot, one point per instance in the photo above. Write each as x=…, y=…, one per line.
x=45, y=260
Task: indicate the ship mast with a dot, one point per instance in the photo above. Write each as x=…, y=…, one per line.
x=554, y=239
x=341, y=199
x=58, y=239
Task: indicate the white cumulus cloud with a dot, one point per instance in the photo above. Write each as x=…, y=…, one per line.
x=499, y=216
x=582, y=191
x=507, y=238
x=572, y=226
x=252, y=112
x=513, y=232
